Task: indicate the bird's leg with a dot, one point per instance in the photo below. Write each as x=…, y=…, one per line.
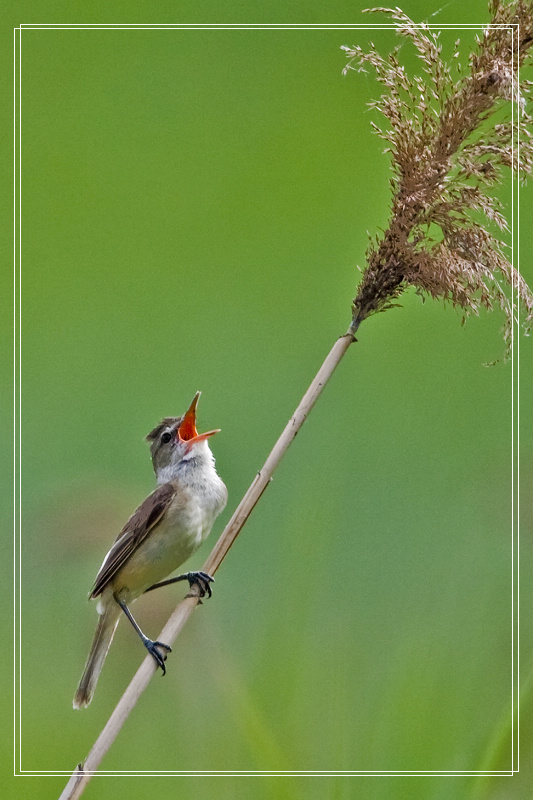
x=201, y=579
x=150, y=645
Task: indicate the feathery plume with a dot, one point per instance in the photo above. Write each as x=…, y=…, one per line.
x=448, y=153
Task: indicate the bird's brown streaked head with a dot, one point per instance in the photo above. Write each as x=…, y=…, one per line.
x=174, y=437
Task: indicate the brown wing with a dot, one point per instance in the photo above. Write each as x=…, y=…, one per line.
x=133, y=533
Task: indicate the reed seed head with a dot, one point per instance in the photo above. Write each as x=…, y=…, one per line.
x=448, y=233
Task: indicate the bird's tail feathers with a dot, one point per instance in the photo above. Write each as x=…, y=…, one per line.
x=107, y=623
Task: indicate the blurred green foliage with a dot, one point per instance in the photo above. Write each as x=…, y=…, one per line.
x=195, y=204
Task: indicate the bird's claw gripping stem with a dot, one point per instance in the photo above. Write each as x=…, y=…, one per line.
x=159, y=659
x=202, y=580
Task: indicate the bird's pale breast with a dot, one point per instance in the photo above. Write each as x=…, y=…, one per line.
x=169, y=544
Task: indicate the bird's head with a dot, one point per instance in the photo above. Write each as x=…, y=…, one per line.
x=175, y=441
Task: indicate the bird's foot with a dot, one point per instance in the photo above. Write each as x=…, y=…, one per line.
x=159, y=659
x=202, y=580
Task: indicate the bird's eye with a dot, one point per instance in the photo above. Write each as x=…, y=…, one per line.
x=166, y=437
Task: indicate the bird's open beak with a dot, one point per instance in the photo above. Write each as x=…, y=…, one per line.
x=187, y=430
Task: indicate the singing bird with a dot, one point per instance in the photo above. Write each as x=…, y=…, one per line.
x=166, y=529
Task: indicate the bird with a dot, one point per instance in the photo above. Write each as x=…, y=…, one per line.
x=164, y=531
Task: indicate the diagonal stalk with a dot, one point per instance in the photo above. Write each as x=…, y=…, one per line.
x=83, y=772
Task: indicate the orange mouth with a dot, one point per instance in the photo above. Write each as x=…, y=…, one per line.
x=187, y=430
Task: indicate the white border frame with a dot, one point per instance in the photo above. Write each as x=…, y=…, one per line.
x=17, y=402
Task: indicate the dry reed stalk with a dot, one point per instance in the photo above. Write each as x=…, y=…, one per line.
x=148, y=668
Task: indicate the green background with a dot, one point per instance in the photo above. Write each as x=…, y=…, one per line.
x=194, y=207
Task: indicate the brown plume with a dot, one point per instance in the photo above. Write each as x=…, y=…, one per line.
x=446, y=233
